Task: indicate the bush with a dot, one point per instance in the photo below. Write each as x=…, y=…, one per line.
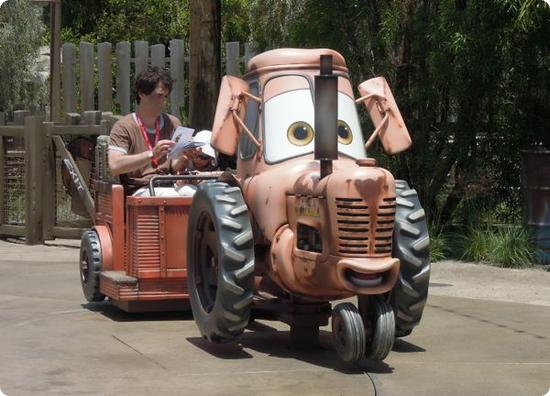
x=439, y=249
x=506, y=247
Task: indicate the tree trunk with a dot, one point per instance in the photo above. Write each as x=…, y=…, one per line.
x=205, y=62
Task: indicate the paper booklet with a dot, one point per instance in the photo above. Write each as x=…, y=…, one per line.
x=184, y=141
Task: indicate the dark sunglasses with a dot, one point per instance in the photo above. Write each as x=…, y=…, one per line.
x=203, y=157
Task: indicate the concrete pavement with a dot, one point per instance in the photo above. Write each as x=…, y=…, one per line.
x=53, y=343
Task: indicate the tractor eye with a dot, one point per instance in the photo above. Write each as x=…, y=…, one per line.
x=344, y=133
x=300, y=133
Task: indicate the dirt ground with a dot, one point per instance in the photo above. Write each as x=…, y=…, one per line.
x=479, y=281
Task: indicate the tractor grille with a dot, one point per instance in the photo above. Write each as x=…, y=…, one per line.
x=145, y=241
x=357, y=235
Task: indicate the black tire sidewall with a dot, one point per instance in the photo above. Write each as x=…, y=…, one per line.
x=411, y=290
x=90, y=249
x=215, y=325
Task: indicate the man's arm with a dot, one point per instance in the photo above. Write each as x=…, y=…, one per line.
x=120, y=162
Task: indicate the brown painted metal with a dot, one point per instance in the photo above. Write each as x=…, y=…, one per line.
x=353, y=208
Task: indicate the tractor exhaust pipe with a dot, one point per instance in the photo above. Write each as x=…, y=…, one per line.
x=326, y=116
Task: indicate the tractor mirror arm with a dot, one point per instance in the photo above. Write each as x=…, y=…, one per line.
x=253, y=97
x=383, y=124
x=245, y=128
x=370, y=96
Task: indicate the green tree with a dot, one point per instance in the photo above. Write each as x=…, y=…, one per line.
x=471, y=77
x=119, y=20
x=21, y=30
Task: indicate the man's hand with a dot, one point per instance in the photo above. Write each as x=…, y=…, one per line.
x=162, y=147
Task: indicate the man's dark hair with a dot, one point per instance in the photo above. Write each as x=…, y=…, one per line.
x=147, y=80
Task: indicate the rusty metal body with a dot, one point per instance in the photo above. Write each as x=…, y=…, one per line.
x=143, y=249
x=350, y=212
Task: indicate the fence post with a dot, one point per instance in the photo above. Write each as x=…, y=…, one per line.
x=92, y=117
x=50, y=205
x=232, y=58
x=19, y=116
x=158, y=53
x=2, y=162
x=69, y=78
x=34, y=178
x=123, y=55
x=177, y=70
x=249, y=53
x=141, y=49
x=86, y=76
x=105, y=70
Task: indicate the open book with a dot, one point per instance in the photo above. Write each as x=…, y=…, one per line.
x=184, y=141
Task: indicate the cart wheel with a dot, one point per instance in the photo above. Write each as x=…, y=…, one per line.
x=220, y=261
x=90, y=266
x=348, y=332
x=379, y=322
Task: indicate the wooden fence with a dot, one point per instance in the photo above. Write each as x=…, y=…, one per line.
x=95, y=83
x=84, y=90
x=31, y=153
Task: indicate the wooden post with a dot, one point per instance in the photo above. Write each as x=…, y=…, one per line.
x=2, y=165
x=19, y=116
x=205, y=61
x=92, y=117
x=141, y=49
x=55, y=61
x=249, y=52
x=50, y=204
x=123, y=55
x=177, y=70
x=105, y=70
x=34, y=179
x=158, y=52
x=232, y=64
x=69, y=78
x=86, y=76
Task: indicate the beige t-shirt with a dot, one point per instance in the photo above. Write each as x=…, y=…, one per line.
x=126, y=137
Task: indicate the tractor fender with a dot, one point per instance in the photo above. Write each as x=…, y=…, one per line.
x=106, y=242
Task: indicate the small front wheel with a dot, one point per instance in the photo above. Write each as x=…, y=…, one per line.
x=379, y=322
x=348, y=332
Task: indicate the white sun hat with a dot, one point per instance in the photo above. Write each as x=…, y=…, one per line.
x=204, y=136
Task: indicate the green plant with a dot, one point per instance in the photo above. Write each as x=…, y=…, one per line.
x=509, y=247
x=475, y=244
x=512, y=247
x=439, y=249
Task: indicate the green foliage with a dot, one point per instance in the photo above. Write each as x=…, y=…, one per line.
x=20, y=38
x=506, y=246
x=439, y=248
x=471, y=79
x=125, y=20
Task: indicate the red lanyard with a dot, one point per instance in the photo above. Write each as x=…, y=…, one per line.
x=154, y=161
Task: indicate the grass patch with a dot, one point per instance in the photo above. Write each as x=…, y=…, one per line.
x=509, y=247
x=439, y=248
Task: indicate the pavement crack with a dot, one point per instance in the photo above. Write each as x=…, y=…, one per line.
x=139, y=352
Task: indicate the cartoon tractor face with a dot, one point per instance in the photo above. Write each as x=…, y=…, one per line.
x=307, y=218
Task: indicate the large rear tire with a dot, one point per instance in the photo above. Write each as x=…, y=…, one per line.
x=90, y=266
x=220, y=261
x=411, y=245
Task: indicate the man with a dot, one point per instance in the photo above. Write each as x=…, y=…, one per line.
x=139, y=142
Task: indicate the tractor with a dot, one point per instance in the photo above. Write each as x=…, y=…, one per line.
x=306, y=218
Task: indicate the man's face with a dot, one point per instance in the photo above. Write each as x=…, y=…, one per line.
x=156, y=100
